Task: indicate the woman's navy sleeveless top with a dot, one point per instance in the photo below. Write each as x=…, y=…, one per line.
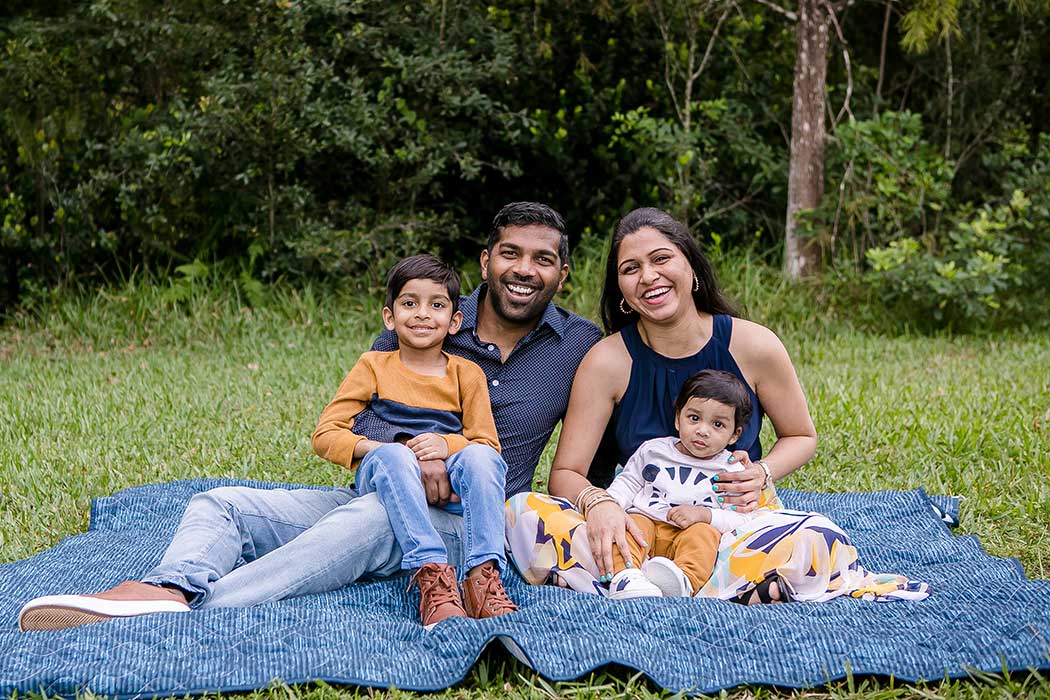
x=646, y=410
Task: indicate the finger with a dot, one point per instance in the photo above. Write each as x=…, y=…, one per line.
x=412, y=442
x=444, y=488
x=431, y=489
x=608, y=537
x=637, y=534
x=747, y=507
x=741, y=457
x=594, y=538
x=625, y=551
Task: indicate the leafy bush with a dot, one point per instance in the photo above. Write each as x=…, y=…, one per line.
x=968, y=278
x=884, y=182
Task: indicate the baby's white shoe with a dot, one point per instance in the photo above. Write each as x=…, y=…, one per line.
x=668, y=577
x=632, y=583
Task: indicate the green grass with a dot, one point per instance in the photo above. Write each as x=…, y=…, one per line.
x=141, y=384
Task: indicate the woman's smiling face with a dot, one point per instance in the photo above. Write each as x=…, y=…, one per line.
x=654, y=276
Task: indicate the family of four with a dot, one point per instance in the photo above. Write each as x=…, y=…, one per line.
x=446, y=417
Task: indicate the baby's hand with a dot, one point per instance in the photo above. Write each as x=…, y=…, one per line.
x=684, y=516
x=428, y=446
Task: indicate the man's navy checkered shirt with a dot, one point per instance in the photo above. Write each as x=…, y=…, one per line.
x=529, y=391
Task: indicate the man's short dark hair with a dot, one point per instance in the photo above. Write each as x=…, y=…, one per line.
x=422, y=267
x=721, y=386
x=530, y=214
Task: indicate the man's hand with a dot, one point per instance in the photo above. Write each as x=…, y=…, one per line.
x=684, y=516
x=434, y=475
x=428, y=446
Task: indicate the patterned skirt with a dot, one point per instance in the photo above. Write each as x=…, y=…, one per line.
x=547, y=537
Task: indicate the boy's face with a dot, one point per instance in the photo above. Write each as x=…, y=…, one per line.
x=422, y=315
x=706, y=426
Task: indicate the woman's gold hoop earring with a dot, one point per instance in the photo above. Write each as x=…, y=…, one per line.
x=626, y=311
x=696, y=283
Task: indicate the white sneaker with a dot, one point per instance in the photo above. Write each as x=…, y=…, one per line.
x=632, y=583
x=668, y=577
x=129, y=599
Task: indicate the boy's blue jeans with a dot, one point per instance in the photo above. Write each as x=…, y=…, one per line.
x=478, y=476
x=238, y=546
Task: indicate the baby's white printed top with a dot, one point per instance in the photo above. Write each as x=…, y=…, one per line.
x=658, y=477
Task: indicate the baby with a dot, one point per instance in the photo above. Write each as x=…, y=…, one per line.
x=667, y=488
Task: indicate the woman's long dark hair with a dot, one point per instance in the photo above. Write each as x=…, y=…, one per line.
x=708, y=298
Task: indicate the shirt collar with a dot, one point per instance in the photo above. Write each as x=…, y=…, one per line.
x=468, y=305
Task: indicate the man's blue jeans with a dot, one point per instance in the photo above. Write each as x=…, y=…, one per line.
x=478, y=476
x=239, y=546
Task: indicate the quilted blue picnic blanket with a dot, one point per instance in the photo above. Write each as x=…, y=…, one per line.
x=984, y=614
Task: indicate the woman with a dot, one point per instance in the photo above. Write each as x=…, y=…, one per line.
x=667, y=319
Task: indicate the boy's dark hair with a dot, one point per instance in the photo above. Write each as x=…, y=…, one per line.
x=530, y=214
x=422, y=267
x=721, y=386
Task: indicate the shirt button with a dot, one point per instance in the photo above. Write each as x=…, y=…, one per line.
x=492, y=347
x=495, y=382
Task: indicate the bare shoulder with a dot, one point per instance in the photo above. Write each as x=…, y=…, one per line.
x=606, y=366
x=753, y=342
x=608, y=354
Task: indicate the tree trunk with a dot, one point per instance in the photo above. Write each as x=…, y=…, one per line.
x=806, y=170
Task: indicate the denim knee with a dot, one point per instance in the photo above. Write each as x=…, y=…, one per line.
x=223, y=498
x=476, y=462
x=393, y=458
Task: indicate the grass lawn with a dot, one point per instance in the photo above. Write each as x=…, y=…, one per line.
x=127, y=388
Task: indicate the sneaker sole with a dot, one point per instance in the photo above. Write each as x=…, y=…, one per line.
x=669, y=583
x=61, y=611
x=49, y=618
x=432, y=625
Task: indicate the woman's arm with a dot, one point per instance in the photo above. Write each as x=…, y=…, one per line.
x=765, y=363
x=600, y=382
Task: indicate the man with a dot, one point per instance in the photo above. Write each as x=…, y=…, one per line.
x=239, y=546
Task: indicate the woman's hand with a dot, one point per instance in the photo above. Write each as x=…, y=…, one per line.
x=741, y=489
x=607, y=527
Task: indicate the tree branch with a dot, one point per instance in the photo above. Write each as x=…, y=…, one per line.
x=882, y=53
x=711, y=42
x=849, y=68
x=661, y=25
x=777, y=8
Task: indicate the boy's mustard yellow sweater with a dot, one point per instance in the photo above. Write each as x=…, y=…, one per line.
x=455, y=406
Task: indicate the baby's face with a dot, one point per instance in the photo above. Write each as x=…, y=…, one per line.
x=705, y=427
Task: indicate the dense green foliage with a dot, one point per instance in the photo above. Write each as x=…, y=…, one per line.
x=320, y=139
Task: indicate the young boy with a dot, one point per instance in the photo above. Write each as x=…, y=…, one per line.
x=425, y=405
x=666, y=486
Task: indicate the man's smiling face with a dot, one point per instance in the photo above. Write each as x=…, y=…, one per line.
x=523, y=271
